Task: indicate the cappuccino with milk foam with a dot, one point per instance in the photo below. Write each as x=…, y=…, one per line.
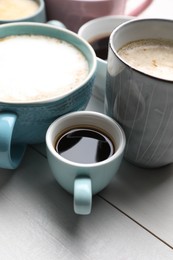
x=17, y=9
x=151, y=56
x=37, y=68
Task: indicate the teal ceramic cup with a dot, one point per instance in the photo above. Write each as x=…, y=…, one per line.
x=23, y=123
x=38, y=16
x=84, y=179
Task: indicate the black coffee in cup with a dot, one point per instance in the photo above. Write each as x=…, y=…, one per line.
x=84, y=145
x=100, y=46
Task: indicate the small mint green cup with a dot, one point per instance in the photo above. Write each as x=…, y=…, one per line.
x=39, y=16
x=23, y=123
x=84, y=180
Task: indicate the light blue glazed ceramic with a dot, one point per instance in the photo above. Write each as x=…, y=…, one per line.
x=26, y=123
x=142, y=104
x=84, y=180
x=39, y=16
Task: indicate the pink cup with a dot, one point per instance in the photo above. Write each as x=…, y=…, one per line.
x=74, y=13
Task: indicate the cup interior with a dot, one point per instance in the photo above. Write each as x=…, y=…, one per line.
x=100, y=27
x=87, y=119
x=27, y=28
x=97, y=28
x=39, y=10
x=138, y=29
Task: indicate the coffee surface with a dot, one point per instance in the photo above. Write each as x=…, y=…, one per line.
x=35, y=68
x=17, y=9
x=100, y=46
x=151, y=56
x=85, y=145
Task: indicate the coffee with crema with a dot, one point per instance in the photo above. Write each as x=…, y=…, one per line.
x=17, y=9
x=36, y=68
x=151, y=56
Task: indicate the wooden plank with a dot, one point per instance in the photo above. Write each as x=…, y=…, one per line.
x=146, y=196
x=37, y=222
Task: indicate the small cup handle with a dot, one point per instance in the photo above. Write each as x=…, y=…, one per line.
x=57, y=24
x=10, y=155
x=82, y=195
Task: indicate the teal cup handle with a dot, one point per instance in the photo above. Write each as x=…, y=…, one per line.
x=10, y=154
x=82, y=195
x=57, y=24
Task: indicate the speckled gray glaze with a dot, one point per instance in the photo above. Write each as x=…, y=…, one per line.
x=143, y=105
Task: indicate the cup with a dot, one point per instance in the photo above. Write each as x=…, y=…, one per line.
x=100, y=29
x=84, y=178
x=39, y=14
x=139, y=101
x=81, y=11
x=26, y=122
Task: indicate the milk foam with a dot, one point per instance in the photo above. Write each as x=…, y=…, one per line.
x=36, y=68
x=17, y=9
x=154, y=57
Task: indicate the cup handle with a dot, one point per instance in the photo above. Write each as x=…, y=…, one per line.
x=10, y=154
x=57, y=24
x=82, y=195
x=140, y=8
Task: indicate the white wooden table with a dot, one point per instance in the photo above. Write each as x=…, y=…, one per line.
x=132, y=219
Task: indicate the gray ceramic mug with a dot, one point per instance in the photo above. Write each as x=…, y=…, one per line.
x=142, y=104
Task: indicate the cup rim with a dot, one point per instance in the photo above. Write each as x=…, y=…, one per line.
x=118, y=152
x=54, y=29
x=40, y=8
x=103, y=19
x=133, y=21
